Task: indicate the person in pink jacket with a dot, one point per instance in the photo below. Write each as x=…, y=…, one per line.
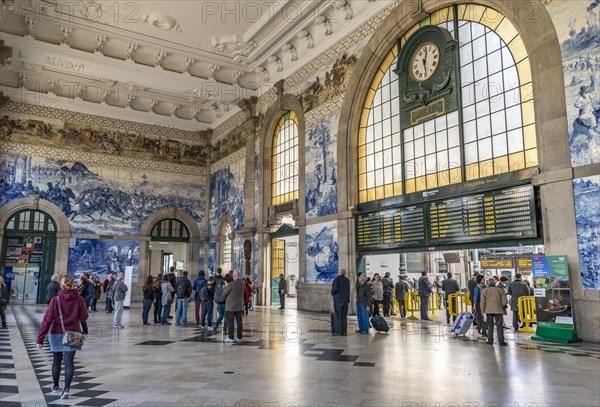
x=74, y=311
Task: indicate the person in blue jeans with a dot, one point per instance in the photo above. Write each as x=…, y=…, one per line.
x=364, y=297
x=220, y=284
x=148, y=292
x=208, y=297
x=167, y=289
x=183, y=290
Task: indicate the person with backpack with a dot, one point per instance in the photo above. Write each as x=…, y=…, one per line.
x=220, y=299
x=86, y=290
x=183, y=290
x=207, y=295
x=167, y=299
x=157, y=287
x=199, y=282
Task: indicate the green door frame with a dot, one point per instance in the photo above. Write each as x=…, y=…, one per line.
x=284, y=230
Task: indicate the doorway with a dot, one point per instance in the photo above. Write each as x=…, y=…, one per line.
x=169, y=247
x=28, y=254
x=285, y=260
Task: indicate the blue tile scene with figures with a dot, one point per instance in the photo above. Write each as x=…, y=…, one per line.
x=238, y=255
x=101, y=199
x=256, y=190
x=321, y=253
x=99, y=257
x=578, y=27
x=227, y=197
x=587, y=212
x=211, y=263
x=321, y=171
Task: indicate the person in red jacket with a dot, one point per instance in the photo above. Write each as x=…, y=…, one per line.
x=73, y=310
x=248, y=294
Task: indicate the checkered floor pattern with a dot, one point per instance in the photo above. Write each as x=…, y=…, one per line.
x=9, y=389
x=84, y=390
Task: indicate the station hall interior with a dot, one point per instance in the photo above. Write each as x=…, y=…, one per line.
x=289, y=140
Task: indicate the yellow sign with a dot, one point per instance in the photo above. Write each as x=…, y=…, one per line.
x=496, y=264
x=524, y=264
x=433, y=109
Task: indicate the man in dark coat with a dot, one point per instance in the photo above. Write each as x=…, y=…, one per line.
x=450, y=286
x=424, y=292
x=388, y=288
x=53, y=288
x=281, y=289
x=340, y=290
x=516, y=290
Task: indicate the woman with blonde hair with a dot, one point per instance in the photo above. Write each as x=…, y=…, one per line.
x=64, y=313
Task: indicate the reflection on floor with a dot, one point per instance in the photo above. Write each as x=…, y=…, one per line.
x=289, y=358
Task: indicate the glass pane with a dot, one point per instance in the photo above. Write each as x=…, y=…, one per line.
x=483, y=127
x=480, y=67
x=441, y=140
x=453, y=137
x=495, y=61
x=485, y=149
x=468, y=95
x=454, y=157
x=419, y=147
x=478, y=48
x=464, y=33
x=498, y=122
x=466, y=54
x=513, y=117
x=493, y=42
x=515, y=141
x=409, y=153
x=471, y=153
x=499, y=145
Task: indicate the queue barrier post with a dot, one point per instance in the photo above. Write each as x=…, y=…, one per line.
x=434, y=304
x=526, y=306
x=412, y=305
x=457, y=303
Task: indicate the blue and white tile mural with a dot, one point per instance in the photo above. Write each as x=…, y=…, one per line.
x=101, y=199
x=321, y=159
x=321, y=252
x=99, y=257
x=238, y=255
x=587, y=215
x=227, y=197
x=255, y=258
x=256, y=189
x=580, y=48
x=212, y=257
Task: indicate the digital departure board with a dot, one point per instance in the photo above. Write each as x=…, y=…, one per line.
x=392, y=228
x=495, y=215
x=503, y=214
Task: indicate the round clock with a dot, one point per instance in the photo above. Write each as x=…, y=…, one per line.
x=425, y=61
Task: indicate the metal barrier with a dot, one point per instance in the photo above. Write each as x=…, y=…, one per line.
x=412, y=304
x=526, y=307
x=434, y=305
x=457, y=303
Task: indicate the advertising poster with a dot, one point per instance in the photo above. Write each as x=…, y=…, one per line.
x=551, y=287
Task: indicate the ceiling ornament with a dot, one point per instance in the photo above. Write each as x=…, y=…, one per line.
x=174, y=108
x=152, y=105
x=195, y=111
x=262, y=73
x=236, y=75
x=129, y=99
x=324, y=21
x=187, y=63
x=159, y=58
x=53, y=87
x=201, y=94
x=273, y=59
x=130, y=51
x=233, y=47
x=162, y=21
x=65, y=64
x=99, y=42
x=22, y=81
x=344, y=6
x=289, y=48
x=29, y=27
x=217, y=112
x=65, y=36
x=212, y=69
x=310, y=42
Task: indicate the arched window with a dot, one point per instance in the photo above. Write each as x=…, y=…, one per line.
x=284, y=179
x=227, y=244
x=30, y=220
x=170, y=230
x=495, y=135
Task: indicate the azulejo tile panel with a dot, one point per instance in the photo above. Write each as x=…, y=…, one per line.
x=99, y=257
x=321, y=165
x=321, y=253
x=577, y=25
x=99, y=198
x=227, y=196
x=587, y=215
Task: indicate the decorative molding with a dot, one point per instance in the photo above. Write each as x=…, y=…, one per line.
x=134, y=127
x=130, y=49
x=65, y=35
x=99, y=42
x=227, y=161
x=212, y=70
x=342, y=46
x=29, y=27
x=304, y=34
x=233, y=48
x=162, y=21
x=324, y=110
x=273, y=59
x=65, y=64
x=8, y=147
x=159, y=58
x=289, y=48
x=324, y=21
x=263, y=73
x=235, y=121
x=187, y=63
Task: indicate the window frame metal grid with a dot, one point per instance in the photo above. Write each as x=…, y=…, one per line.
x=170, y=230
x=452, y=18
x=30, y=220
x=284, y=159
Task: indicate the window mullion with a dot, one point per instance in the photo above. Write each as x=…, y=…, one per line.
x=457, y=65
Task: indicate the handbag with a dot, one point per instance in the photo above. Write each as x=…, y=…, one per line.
x=70, y=338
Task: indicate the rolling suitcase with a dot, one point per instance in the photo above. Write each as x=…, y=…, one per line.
x=463, y=323
x=379, y=323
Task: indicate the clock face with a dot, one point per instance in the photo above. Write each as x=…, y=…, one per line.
x=425, y=61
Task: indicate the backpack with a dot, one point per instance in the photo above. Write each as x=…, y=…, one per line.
x=181, y=289
x=220, y=292
x=204, y=294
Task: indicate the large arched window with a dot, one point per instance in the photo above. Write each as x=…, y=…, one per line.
x=493, y=133
x=284, y=180
x=30, y=220
x=170, y=230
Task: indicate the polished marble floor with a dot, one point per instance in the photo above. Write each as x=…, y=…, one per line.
x=288, y=358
